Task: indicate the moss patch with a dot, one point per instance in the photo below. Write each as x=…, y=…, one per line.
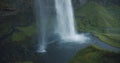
x=23, y=33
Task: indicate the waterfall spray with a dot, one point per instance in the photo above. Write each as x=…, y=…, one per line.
x=42, y=11
x=65, y=27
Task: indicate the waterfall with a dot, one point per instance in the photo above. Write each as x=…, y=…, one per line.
x=65, y=20
x=64, y=24
x=42, y=9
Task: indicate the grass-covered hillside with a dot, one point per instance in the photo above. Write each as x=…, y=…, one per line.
x=93, y=54
x=102, y=21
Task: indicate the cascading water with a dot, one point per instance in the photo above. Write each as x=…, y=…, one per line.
x=65, y=22
x=41, y=23
x=65, y=27
x=42, y=9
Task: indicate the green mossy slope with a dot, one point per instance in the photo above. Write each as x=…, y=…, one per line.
x=100, y=20
x=93, y=54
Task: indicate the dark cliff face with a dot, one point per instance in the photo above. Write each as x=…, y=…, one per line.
x=15, y=14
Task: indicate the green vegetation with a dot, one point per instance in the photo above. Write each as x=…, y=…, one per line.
x=111, y=39
x=93, y=54
x=23, y=33
x=102, y=21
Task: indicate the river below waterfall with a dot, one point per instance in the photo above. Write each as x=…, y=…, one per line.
x=62, y=52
